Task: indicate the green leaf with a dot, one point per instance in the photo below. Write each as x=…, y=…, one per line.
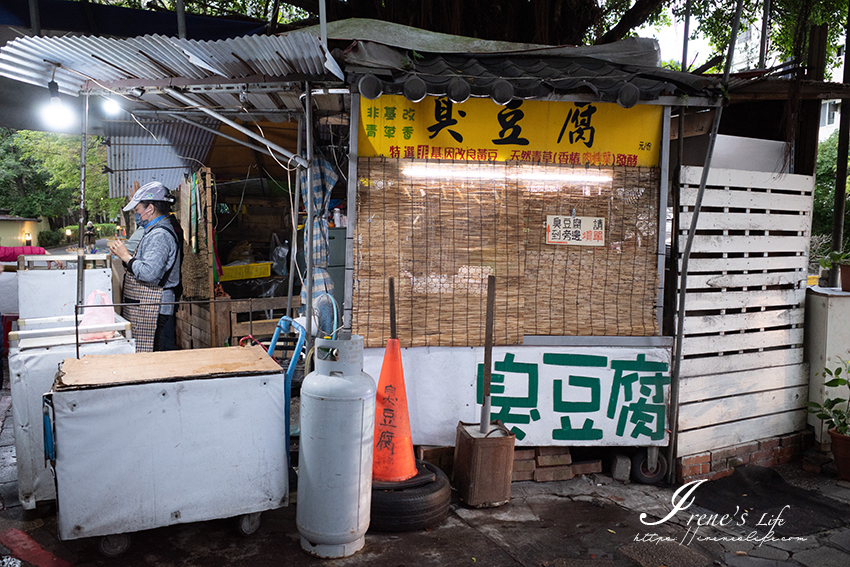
x=835, y=382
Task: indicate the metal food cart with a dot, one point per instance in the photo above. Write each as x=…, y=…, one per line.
x=147, y=440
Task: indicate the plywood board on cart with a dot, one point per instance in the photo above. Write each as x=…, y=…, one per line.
x=169, y=365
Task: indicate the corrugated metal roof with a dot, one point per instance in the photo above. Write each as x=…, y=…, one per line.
x=162, y=151
x=72, y=60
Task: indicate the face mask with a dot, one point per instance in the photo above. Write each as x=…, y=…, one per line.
x=138, y=218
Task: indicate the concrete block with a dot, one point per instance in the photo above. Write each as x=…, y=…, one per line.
x=524, y=454
x=525, y=465
x=546, y=474
x=517, y=476
x=553, y=460
x=587, y=467
x=621, y=467
x=547, y=451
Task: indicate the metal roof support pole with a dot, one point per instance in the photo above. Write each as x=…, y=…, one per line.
x=238, y=127
x=181, y=19
x=83, y=143
x=841, y=165
x=249, y=145
x=35, y=18
x=351, y=212
x=308, y=249
x=686, y=254
x=293, y=265
x=323, y=23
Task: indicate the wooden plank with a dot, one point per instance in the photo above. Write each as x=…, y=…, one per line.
x=711, y=365
x=702, y=414
x=733, y=199
x=756, y=279
x=734, y=342
x=740, y=299
x=262, y=303
x=755, y=263
x=720, y=244
x=696, y=388
x=748, y=221
x=259, y=328
x=740, y=321
x=733, y=433
x=691, y=175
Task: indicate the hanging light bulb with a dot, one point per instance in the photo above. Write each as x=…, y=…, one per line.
x=55, y=113
x=111, y=107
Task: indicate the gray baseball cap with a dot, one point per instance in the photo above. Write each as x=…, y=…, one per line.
x=153, y=191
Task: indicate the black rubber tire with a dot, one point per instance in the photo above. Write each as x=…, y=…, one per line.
x=411, y=509
x=641, y=474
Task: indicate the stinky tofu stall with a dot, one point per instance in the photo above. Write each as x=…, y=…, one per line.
x=146, y=440
x=46, y=335
x=558, y=193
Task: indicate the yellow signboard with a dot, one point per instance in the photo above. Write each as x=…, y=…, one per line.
x=533, y=131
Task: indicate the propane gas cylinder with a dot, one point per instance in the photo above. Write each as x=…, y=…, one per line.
x=335, y=453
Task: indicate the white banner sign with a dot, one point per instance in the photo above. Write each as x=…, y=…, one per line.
x=602, y=396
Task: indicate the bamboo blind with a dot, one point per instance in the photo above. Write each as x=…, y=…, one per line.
x=440, y=237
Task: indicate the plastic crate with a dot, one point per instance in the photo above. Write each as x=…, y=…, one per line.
x=246, y=271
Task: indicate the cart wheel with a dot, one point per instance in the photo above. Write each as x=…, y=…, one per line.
x=248, y=524
x=641, y=472
x=113, y=545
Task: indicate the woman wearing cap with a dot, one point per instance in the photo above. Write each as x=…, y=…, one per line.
x=153, y=271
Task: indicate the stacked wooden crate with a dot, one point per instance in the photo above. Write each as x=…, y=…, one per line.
x=543, y=464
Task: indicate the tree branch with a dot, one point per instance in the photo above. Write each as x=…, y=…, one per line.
x=634, y=17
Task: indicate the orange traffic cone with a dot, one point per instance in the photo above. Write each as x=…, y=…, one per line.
x=392, y=455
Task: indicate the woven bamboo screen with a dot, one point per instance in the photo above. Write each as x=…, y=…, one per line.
x=441, y=233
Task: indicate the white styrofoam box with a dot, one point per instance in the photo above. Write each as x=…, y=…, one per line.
x=52, y=293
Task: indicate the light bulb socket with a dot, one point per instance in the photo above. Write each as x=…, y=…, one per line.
x=53, y=87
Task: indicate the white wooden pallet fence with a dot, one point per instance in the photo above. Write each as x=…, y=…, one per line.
x=742, y=376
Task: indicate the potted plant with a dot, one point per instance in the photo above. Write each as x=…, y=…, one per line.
x=838, y=258
x=836, y=418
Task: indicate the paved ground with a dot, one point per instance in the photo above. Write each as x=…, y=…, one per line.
x=591, y=521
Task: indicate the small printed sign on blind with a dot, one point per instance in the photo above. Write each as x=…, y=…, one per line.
x=578, y=231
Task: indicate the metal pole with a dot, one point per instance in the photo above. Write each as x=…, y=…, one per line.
x=841, y=165
x=238, y=127
x=680, y=312
x=351, y=211
x=181, y=19
x=35, y=18
x=255, y=147
x=323, y=24
x=765, y=27
x=80, y=258
x=293, y=247
x=308, y=249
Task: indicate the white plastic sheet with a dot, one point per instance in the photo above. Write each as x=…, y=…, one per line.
x=51, y=293
x=138, y=456
x=32, y=372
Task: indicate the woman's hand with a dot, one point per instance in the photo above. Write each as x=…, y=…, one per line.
x=117, y=247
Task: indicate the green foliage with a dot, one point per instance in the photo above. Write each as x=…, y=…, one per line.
x=24, y=187
x=253, y=9
x=835, y=257
x=51, y=238
x=714, y=22
x=58, y=156
x=830, y=410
